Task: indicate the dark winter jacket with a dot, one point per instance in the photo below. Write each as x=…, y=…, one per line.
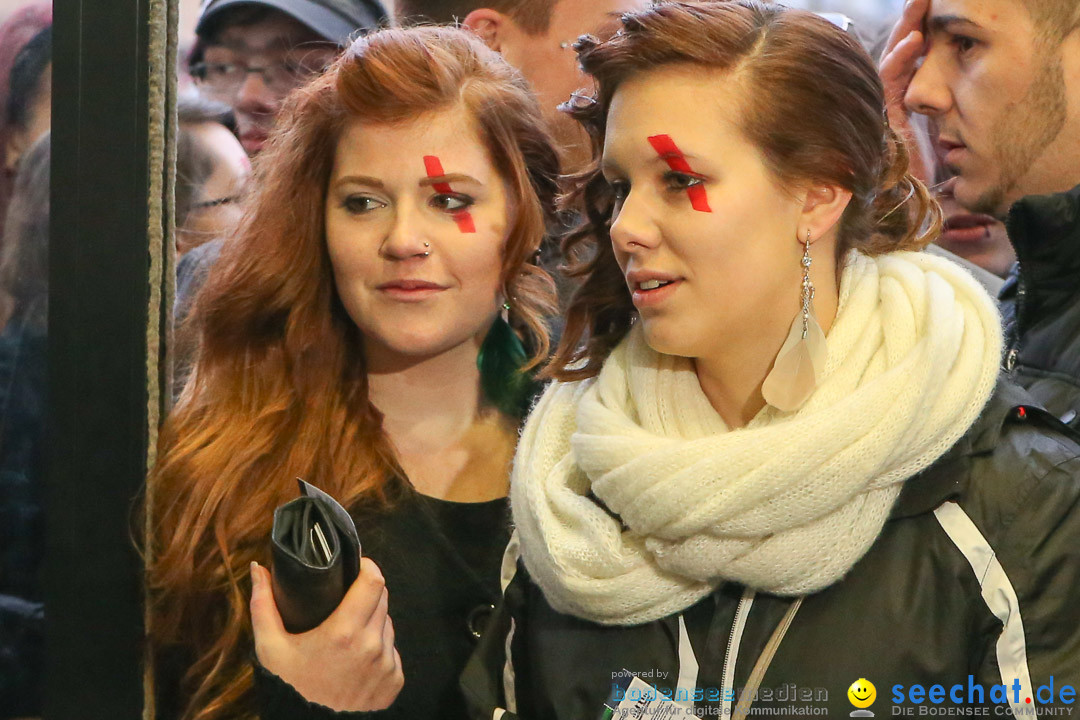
x=973, y=581
x=1041, y=301
x=23, y=346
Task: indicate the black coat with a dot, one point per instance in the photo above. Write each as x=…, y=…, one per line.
x=23, y=366
x=1041, y=301
x=976, y=574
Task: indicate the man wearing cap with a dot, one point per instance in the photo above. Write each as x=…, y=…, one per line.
x=251, y=53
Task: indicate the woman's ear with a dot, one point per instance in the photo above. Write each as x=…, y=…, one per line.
x=822, y=209
x=489, y=25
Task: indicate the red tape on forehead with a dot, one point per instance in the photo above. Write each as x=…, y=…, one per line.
x=666, y=148
x=434, y=169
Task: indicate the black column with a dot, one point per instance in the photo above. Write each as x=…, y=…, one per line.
x=97, y=426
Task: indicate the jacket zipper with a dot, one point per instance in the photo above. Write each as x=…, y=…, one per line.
x=1013, y=354
x=732, y=653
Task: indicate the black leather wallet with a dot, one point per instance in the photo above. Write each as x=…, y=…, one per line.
x=316, y=557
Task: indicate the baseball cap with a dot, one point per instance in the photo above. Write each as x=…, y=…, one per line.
x=335, y=20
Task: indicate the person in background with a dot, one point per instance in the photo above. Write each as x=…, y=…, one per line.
x=975, y=241
x=19, y=29
x=979, y=238
x=1001, y=81
x=250, y=54
x=24, y=303
x=211, y=174
x=536, y=37
x=368, y=329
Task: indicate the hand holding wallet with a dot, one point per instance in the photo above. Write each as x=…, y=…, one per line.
x=316, y=557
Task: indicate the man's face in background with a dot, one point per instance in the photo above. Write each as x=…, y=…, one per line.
x=1006, y=101
x=977, y=237
x=549, y=63
x=253, y=66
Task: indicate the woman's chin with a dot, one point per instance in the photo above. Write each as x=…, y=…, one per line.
x=661, y=336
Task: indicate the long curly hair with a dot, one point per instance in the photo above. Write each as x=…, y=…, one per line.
x=814, y=108
x=279, y=388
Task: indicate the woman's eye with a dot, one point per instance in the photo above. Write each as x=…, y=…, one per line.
x=964, y=44
x=452, y=202
x=620, y=189
x=681, y=181
x=360, y=204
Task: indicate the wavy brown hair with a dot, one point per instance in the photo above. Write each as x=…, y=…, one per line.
x=814, y=107
x=279, y=389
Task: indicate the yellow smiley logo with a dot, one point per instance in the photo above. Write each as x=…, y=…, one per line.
x=862, y=693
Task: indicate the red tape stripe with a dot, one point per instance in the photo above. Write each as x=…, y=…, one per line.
x=666, y=148
x=434, y=168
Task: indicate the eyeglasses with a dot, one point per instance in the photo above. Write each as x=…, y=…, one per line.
x=223, y=79
x=216, y=202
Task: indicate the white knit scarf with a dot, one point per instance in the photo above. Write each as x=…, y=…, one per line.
x=786, y=504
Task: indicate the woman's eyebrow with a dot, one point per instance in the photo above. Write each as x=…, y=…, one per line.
x=359, y=180
x=448, y=178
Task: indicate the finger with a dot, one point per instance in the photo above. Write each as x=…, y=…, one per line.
x=899, y=65
x=398, y=670
x=388, y=635
x=265, y=618
x=363, y=598
x=396, y=679
x=910, y=20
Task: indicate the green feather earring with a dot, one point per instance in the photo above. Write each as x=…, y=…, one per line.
x=500, y=361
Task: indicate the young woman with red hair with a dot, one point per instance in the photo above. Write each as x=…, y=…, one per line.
x=352, y=334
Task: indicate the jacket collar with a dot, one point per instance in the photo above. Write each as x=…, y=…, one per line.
x=1045, y=231
x=947, y=478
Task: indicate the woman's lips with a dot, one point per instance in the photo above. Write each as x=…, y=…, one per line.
x=652, y=298
x=410, y=290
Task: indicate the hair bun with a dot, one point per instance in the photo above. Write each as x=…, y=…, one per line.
x=903, y=213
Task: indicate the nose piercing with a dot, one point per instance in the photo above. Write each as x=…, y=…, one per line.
x=427, y=244
x=425, y=254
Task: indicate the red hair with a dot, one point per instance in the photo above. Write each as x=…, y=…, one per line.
x=279, y=388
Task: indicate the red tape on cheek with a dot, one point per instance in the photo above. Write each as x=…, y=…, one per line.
x=666, y=148
x=434, y=168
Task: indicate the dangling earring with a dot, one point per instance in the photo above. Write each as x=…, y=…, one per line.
x=500, y=360
x=801, y=360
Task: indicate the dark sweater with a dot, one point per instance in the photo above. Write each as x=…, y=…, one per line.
x=441, y=561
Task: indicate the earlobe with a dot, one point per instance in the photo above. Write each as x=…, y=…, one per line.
x=487, y=24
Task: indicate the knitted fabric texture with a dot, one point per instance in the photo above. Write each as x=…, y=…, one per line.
x=785, y=505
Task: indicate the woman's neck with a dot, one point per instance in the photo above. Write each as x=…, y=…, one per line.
x=732, y=376
x=426, y=403
x=448, y=443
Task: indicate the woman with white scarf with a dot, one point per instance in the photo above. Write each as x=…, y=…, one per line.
x=777, y=463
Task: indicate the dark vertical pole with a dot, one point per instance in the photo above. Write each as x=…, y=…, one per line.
x=97, y=425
